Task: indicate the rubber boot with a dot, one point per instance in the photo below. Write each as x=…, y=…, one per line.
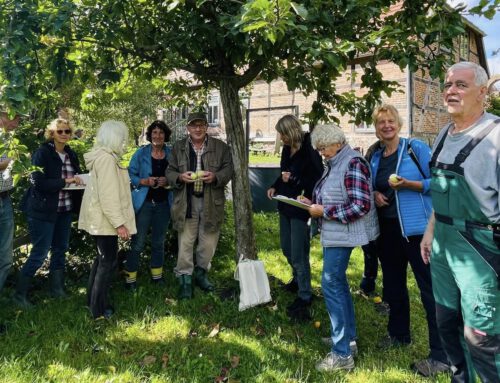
x=56, y=279
x=185, y=287
x=20, y=297
x=201, y=280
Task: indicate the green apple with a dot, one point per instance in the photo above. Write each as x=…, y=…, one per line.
x=394, y=178
x=201, y=173
x=194, y=176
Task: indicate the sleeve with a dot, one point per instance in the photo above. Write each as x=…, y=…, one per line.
x=39, y=177
x=423, y=153
x=172, y=173
x=225, y=171
x=134, y=169
x=358, y=203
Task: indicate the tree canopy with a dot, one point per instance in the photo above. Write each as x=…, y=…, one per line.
x=52, y=51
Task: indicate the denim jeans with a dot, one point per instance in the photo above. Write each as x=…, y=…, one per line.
x=338, y=298
x=45, y=236
x=6, y=237
x=155, y=216
x=295, y=244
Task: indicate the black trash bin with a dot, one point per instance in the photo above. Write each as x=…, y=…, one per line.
x=261, y=178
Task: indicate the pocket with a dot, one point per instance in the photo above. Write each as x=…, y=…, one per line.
x=484, y=314
x=440, y=194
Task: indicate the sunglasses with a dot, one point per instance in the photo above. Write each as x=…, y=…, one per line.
x=65, y=131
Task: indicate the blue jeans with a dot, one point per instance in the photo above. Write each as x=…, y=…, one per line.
x=338, y=298
x=45, y=236
x=155, y=216
x=6, y=237
x=294, y=238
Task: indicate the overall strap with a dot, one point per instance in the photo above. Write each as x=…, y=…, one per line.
x=439, y=147
x=465, y=151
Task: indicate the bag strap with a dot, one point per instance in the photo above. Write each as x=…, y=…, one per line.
x=413, y=156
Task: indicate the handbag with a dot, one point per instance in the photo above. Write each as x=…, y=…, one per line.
x=254, y=284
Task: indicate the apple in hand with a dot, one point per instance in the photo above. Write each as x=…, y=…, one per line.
x=394, y=178
x=194, y=176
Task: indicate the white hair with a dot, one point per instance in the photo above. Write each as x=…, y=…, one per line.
x=480, y=76
x=112, y=135
x=325, y=135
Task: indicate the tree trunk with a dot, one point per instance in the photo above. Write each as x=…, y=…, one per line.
x=245, y=236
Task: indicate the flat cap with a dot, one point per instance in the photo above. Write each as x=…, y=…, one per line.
x=197, y=116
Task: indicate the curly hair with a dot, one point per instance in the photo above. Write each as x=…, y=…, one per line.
x=160, y=125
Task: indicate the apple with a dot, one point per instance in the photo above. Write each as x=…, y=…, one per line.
x=194, y=176
x=201, y=173
x=394, y=178
x=317, y=324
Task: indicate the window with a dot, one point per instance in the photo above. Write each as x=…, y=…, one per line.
x=213, y=109
x=463, y=47
x=363, y=127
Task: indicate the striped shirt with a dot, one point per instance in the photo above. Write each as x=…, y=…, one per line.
x=357, y=184
x=198, y=184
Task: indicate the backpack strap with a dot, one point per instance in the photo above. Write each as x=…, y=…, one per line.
x=413, y=156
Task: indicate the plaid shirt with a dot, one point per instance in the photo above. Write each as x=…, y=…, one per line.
x=198, y=184
x=357, y=184
x=65, y=203
x=5, y=176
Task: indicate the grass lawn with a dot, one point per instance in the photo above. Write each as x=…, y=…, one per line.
x=154, y=338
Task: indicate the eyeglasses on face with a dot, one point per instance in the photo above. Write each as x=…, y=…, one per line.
x=65, y=131
x=197, y=126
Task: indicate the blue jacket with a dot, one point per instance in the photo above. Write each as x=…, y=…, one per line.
x=414, y=208
x=140, y=167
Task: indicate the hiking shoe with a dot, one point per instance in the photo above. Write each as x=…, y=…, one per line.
x=352, y=344
x=334, y=362
x=430, y=367
x=392, y=341
x=299, y=303
x=292, y=286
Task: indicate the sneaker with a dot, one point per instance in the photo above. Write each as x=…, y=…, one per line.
x=292, y=286
x=299, y=303
x=392, y=341
x=352, y=344
x=430, y=367
x=334, y=362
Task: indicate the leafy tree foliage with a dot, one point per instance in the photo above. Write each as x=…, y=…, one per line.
x=50, y=45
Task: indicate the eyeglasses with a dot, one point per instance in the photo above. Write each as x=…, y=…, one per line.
x=197, y=126
x=65, y=131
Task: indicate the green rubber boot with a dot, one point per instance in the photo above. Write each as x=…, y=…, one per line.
x=185, y=287
x=201, y=279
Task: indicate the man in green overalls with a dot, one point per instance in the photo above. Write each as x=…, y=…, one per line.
x=463, y=233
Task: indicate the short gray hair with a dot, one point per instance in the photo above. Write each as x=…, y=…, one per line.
x=112, y=135
x=325, y=135
x=480, y=76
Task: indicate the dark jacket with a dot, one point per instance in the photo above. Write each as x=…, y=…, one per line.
x=306, y=168
x=42, y=198
x=217, y=159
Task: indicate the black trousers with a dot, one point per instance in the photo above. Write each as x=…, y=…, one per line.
x=101, y=274
x=395, y=253
x=371, y=260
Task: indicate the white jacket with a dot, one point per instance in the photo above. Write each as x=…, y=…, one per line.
x=107, y=202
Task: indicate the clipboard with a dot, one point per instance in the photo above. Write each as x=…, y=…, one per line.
x=291, y=201
x=84, y=177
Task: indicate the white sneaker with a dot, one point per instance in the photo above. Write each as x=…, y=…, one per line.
x=334, y=362
x=352, y=344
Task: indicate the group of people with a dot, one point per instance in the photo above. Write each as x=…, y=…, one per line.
x=186, y=182
x=437, y=210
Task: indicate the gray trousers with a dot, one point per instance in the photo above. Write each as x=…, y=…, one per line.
x=194, y=230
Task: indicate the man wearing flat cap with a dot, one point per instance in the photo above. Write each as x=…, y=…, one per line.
x=7, y=125
x=199, y=169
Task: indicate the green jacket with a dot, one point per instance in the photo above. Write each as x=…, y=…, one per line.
x=216, y=159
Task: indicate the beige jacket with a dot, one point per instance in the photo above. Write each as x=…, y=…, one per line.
x=107, y=202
